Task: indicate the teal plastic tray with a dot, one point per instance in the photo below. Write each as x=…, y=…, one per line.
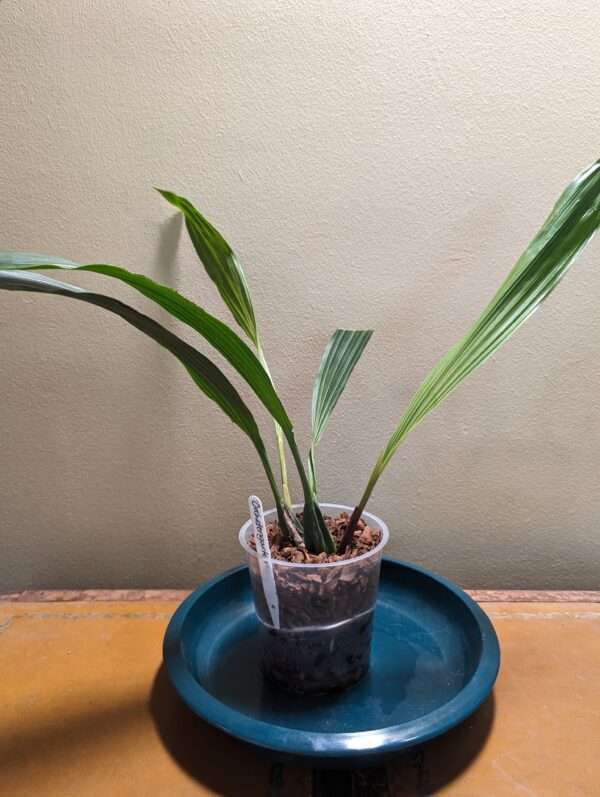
x=435, y=659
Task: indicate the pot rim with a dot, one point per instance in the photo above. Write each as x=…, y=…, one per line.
x=373, y=519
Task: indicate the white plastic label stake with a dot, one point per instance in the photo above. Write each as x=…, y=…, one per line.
x=265, y=561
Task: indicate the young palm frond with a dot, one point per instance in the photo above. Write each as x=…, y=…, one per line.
x=225, y=270
x=569, y=227
x=341, y=354
x=210, y=379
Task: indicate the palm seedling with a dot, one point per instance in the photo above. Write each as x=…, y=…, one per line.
x=568, y=228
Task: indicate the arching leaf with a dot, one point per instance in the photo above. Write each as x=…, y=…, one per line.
x=218, y=334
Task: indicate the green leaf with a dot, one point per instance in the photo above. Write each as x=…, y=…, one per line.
x=317, y=536
x=205, y=374
x=568, y=228
x=220, y=262
x=218, y=334
x=225, y=270
x=339, y=359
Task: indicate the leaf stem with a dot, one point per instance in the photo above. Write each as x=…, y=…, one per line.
x=284, y=522
x=287, y=499
x=317, y=536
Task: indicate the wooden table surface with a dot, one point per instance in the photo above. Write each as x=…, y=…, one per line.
x=86, y=709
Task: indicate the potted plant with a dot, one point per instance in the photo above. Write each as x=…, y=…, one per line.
x=324, y=558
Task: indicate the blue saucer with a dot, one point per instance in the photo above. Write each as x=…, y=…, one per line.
x=435, y=659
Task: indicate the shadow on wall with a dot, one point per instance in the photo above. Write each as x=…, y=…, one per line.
x=166, y=251
x=204, y=752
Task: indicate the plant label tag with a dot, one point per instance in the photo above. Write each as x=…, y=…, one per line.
x=265, y=562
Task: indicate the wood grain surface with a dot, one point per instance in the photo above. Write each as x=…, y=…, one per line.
x=86, y=710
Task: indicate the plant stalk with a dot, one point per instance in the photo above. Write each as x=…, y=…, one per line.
x=317, y=536
x=360, y=507
x=312, y=474
x=285, y=522
x=350, y=529
x=287, y=499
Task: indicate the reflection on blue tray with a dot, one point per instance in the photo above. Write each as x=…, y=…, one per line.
x=435, y=659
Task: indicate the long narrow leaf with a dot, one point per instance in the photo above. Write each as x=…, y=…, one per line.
x=218, y=334
x=207, y=376
x=339, y=359
x=220, y=262
x=224, y=269
x=568, y=228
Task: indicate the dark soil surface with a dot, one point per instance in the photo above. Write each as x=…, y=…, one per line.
x=365, y=538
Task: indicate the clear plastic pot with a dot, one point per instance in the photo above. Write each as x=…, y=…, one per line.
x=325, y=614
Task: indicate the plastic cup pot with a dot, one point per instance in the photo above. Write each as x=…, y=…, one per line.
x=323, y=642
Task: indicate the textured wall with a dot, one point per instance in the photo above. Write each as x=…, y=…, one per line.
x=375, y=163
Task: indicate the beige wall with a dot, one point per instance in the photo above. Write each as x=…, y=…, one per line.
x=376, y=163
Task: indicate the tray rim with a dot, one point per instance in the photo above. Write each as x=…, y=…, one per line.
x=297, y=743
